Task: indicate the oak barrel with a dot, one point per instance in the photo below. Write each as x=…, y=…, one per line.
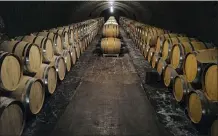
x=146, y=51
x=43, y=42
x=48, y=75
x=168, y=44
x=154, y=60
x=31, y=93
x=67, y=58
x=210, y=81
x=168, y=75
x=64, y=37
x=60, y=66
x=29, y=54
x=200, y=110
x=73, y=54
x=150, y=54
x=69, y=31
x=180, y=50
x=78, y=50
x=161, y=64
x=162, y=38
x=111, y=30
x=56, y=40
x=110, y=45
x=11, y=71
x=12, y=117
x=195, y=62
x=181, y=88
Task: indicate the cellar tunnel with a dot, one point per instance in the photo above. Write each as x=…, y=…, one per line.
x=111, y=67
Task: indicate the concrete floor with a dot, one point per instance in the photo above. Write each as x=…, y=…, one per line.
x=109, y=101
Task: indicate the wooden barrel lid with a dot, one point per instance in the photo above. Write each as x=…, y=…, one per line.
x=67, y=58
x=190, y=67
x=49, y=50
x=160, y=66
x=11, y=121
x=61, y=69
x=150, y=54
x=36, y=97
x=175, y=57
x=145, y=52
x=210, y=82
x=35, y=58
x=52, y=80
x=10, y=72
x=154, y=60
x=73, y=55
x=214, y=128
x=195, y=108
x=178, y=89
x=167, y=76
x=165, y=50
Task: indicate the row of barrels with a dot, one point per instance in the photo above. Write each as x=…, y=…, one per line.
x=111, y=28
x=111, y=44
x=187, y=65
x=31, y=67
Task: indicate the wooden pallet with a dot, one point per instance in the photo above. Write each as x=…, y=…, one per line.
x=110, y=55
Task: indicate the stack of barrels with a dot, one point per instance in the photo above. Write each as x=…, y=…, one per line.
x=31, y=67
x=187, y=65
x=111, y=44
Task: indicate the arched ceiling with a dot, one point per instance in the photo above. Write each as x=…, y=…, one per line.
x=133, y=8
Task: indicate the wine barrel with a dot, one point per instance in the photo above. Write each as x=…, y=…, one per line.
x=73, y=54
x=78, y=50
x=43, y=42
x=180, y=50
x=168, y=44
x=111, y=30
x=161, y=64
x=195, y=62
x=60, y=66
x=11, y=71
x=162, y=38
x=29, y=54
x=67, y=58
x=12, y=117
x=146, y=51
x=48, y=75
x=214, y=128
x=181, y=88
x=150, y=54
x=69, y=31
x=168, y=75
x=31, y=93
x=154, y=60
x=200, y=110
x=75, y=35
x=80, y=45
x=64, y=37
x=110, y=45
x=56, y=40
x=153, y=35
x=209, y=81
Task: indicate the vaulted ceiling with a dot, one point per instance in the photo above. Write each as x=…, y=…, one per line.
x=197, y=19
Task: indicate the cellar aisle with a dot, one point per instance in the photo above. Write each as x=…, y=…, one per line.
x=109, y=101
